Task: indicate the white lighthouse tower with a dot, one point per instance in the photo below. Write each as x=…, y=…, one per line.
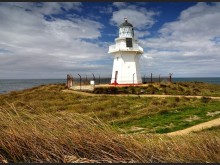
x=127, y=52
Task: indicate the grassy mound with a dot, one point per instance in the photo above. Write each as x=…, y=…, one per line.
x=44, y=124
x=178, y=88
x=150, y=115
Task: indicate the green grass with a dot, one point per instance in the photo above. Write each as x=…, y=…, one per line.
x=44, y=124
x=155, y=115
x=178, y=88
x=173, y=119
x=56, y=137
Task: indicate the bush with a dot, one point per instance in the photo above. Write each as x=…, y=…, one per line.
x=163, y=111
x=180, y=89
x=196, y=90
x=152, y=89
x=184, y=84
x=187, y=92
x=131, y=89
x=163, y=85
x=99, y=90
x=205, y=99
x=177, y=99
x=113, y=90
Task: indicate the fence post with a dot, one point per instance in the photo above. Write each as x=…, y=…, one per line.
x=170, y=76
x=151, y=78
x=80, y=81
x=159, y=78
x=93, y=76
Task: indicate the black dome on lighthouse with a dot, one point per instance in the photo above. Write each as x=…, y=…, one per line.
x=126, y=23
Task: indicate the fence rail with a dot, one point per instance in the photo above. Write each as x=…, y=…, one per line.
x=85, y=80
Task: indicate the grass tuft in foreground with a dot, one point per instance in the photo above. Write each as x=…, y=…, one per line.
x=55, y=137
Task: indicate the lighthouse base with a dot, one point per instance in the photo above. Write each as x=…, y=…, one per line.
x=116, y=84
x=128, y=82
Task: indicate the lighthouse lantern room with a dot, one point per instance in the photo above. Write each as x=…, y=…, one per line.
x=126, y=52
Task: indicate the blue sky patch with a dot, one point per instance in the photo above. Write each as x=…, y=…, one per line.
x=59, y=37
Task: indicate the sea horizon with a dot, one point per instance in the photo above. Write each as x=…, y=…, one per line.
x=84, y=77
x=8, y=85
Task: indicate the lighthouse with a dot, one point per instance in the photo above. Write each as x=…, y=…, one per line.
x=126, y=52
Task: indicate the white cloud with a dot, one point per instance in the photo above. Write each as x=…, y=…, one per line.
x=119, y=4
x=29, y=44
x=141, y=34
x=45, y=7
x=186, y=46
x=141, y=18
x=105, y=10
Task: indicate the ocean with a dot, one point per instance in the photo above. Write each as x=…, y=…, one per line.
x=7, y=85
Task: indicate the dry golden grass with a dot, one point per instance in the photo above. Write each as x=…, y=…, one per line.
x=28, y=137
x=49, y=138
x=160, y=115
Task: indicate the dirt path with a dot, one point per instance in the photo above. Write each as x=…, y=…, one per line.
x=195, y=128
x=133, y=95
x=205, y=125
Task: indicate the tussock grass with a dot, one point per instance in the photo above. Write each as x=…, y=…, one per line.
x=43, y=124
x=50, y=137
x=178, y=88
x=155, y=115
x=54, y=137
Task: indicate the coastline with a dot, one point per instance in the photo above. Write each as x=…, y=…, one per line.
x=8, y=85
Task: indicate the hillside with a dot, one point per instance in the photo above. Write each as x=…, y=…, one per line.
x=176, y=88
x=45, y=124
x=132, y=114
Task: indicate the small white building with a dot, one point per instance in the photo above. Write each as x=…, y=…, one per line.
x=127, y=52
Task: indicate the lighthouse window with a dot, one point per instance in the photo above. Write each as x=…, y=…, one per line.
x=129, y=42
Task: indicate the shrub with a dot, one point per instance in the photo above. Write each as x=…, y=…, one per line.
x=163, y=111
x=177, y=99
x=164, y=101
x=131, y=89
x=113, y=90
x=184, y=84
x=163, y=85
x=180, y=89
x=205, y=99
x=187, y=92
x=196, y=90
x=99, y=90
x=152, y=89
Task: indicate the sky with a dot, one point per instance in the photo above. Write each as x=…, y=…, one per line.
x=53, y=39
